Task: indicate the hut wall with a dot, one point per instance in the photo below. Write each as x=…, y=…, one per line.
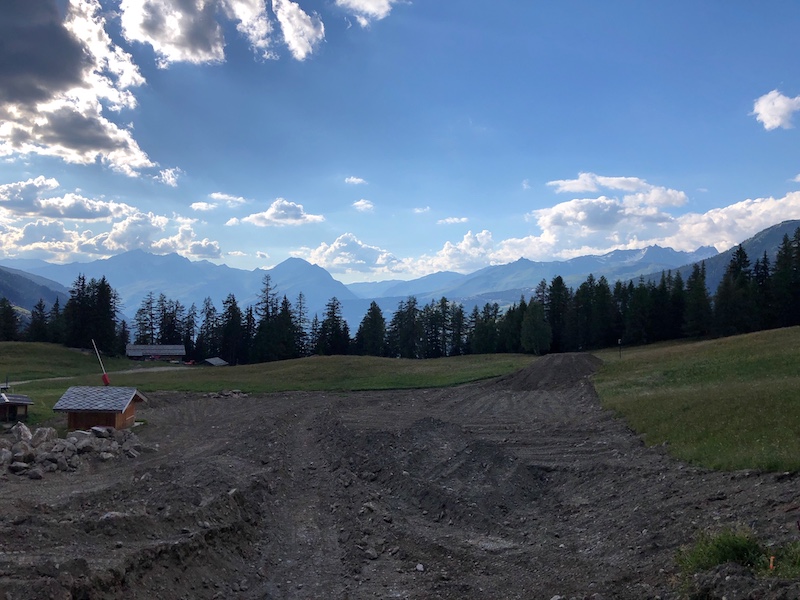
x=13, y=412
x=87, y=420
x=127, y=418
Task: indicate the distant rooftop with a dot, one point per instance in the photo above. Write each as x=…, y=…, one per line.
x=155, y=350
x=18, y=399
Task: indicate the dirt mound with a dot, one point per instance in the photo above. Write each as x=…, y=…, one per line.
x=553, y=371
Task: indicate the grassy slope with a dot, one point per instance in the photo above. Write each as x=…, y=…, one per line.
x=731, y=403
x=39, y=362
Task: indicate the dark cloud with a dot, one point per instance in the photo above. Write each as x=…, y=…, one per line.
x=38, y=56
x=78, y=132
x=200, y=32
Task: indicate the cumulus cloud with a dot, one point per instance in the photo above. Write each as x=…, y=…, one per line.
x=29, y=198
x=203, y=206
x=422, y=210
x=59, y=79
x=169, y=176
x=355, y=180
x=56, y=79
x=348, y=254
x=368, y=10
x=474, y=251
x=775, y=110
x=282, y=212
x=590, y=182
x=526, y=184
x=180, y=31
x=452, y=220
x=301, y=32
x=36, y=223
x=363, y=205
x=230, y=201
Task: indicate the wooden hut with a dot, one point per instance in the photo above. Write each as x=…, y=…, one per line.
x=14, y=407
x=105, y=406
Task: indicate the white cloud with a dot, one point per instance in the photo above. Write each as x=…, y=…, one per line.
x=526, y=184
x=474, y=251
x=355, y=181
x=177, y=31
x=348, y=254
x=35, y=223
x=203, y=206
x=233, y=221
x=775, y=110
x=301, y=32
x=363, y=205
x=365, y=10
x=420, y=211
x=253, y=23
x=29, y=198
x=796, y=178
x=230, y=201
x=282, y=212
x=590, y=182
x=452, y=220
x=262, y=255
x=169, y=176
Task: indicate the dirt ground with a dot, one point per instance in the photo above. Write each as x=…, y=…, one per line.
x=519, y=487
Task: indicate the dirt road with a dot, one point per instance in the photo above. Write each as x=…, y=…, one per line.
x=522, y=487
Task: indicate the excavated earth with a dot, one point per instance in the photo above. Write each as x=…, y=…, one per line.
x=519, y=487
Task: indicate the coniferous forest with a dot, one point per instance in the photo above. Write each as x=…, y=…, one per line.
x=752, y=295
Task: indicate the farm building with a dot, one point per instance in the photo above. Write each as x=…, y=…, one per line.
x=105, y=406
x=155, y=351
x=14, y=407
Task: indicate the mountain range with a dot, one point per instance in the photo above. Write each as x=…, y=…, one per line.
x=135, y=273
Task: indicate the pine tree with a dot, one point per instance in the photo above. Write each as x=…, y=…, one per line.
x=536, y=335
x=698, y=316
x=56, y=327
x=9, y=322
x=230, y=338
x=38, y=330
x=371, y=334
x=145, y=321
x=334, y=334
x=734, y=302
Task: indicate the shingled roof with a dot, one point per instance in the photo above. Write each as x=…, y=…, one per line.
x=18, y=399
x=97, y=399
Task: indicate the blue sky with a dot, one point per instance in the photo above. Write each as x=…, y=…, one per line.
x=388, y=139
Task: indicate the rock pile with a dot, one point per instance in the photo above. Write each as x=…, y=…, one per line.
x=34, y=454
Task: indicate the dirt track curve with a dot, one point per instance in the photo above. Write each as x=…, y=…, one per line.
x=519, y=487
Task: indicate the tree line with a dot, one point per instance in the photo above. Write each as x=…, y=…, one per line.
x=555, y=318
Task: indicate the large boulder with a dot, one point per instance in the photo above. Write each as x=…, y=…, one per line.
x=21, y=432
x=22, y=451
x=42, y=435
x=5, y=456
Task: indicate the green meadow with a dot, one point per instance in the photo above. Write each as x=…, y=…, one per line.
x=729, y=403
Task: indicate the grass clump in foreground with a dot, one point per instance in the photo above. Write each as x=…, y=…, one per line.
x=730, y=403
x=741, y=547
x=318, y=373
